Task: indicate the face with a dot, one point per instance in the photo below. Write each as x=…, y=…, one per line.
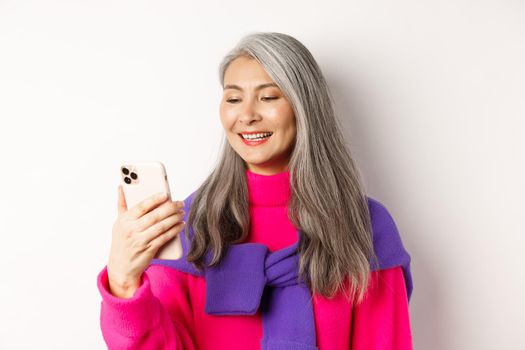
x=253, y=104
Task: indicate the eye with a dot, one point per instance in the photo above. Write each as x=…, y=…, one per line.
x=232, y=100
x=269, y=98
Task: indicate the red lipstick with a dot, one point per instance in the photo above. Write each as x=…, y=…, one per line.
x=253, y=142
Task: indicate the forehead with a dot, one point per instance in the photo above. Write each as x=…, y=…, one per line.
x=245, y=71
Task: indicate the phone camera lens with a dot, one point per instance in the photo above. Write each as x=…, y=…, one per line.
x=127, y=180
x=133, y=176
x=125, y=171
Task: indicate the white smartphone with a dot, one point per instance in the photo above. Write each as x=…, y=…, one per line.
x=141, y=180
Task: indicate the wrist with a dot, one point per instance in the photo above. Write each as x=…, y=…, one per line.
x=123, y=287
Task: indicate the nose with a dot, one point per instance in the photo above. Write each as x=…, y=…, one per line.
x=248, y=114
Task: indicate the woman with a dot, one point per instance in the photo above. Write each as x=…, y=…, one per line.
x=282, y=248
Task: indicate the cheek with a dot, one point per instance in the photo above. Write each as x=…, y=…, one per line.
x=289, y=122
x=227, y=117
x=290, y=135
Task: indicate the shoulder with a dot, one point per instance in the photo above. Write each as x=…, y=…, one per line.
x=382, y=220
x=388, y=244
x=186, y=239
x=383, y=224
x=188, y=199
x=187, y=204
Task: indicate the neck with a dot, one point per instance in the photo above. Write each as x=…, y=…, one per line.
x=268, y=190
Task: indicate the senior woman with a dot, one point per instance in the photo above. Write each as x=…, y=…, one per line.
x=282, y=249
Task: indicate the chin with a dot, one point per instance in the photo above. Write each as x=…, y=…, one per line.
x=256, y=161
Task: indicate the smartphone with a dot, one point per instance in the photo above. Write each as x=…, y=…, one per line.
x=141, y=180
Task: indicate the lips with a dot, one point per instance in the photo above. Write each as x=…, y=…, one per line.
x=254, y=142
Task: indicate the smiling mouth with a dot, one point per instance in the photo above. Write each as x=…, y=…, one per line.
x=257, y=140
x=256, y=137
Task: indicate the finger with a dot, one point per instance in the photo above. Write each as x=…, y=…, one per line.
x=121, y=205
x=162, y=226
x=146, y=205
x=164, y=238
x=158, y=214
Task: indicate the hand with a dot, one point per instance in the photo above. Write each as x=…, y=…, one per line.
x=137, y=235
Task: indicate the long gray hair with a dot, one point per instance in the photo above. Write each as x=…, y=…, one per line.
x=327, y=204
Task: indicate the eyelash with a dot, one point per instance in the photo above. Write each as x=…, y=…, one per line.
x=234, y=100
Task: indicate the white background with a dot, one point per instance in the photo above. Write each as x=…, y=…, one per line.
x=431, y=94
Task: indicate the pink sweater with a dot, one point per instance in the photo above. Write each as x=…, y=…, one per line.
x=167, y=311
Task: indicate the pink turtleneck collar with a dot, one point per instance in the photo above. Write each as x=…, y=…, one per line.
x=268, y=190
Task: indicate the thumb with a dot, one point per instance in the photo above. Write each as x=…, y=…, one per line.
x=121, y=206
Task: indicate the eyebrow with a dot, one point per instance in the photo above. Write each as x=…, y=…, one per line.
x=258, y=87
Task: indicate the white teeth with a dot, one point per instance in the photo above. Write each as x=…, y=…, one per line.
x=258, y=136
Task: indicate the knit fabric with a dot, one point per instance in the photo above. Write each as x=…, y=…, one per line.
x=169, y=310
